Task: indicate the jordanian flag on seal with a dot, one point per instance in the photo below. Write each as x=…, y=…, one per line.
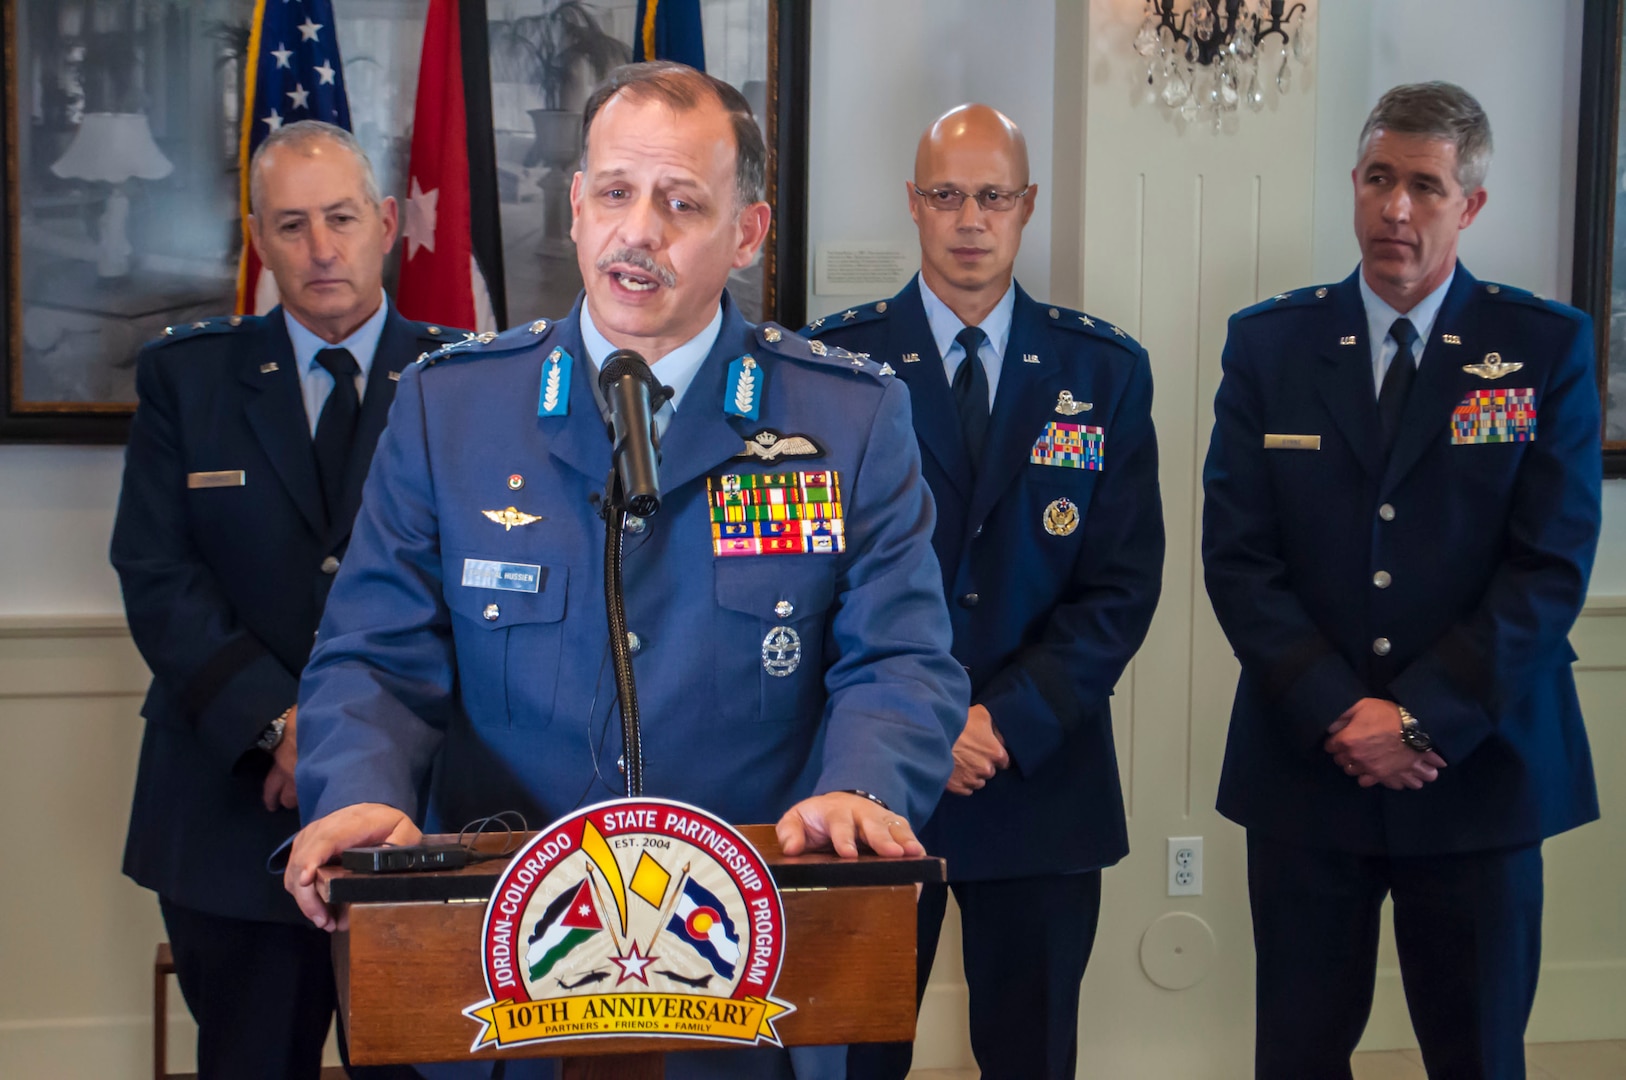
x=701, y=921
x=570, y=920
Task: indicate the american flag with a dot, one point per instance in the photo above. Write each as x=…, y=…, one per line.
x=293, y=73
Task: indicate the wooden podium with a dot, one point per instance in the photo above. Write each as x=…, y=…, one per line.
x=409, y=962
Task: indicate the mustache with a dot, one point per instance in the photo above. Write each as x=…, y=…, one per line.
x=639, y=260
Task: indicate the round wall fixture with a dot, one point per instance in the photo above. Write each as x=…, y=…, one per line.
x=1177, y=950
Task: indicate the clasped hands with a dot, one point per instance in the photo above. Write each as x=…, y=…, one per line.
x=1365, y=743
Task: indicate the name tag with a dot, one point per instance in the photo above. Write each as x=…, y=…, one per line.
x=515, y=577
x=224, y=478
x=1292, y=442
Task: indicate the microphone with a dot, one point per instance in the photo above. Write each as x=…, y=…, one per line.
x=634, y=395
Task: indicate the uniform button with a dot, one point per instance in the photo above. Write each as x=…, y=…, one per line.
x=977, y=533
x=784, y=609
x=330, y=565
x=969, y=600
x=1381, y=646
x=621, y=764
x=1386, y=512
x=491, y=612
x=1381, y=579
x=636, y=524
x=635, y=644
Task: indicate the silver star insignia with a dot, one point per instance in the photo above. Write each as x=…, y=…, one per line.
x=848, y=315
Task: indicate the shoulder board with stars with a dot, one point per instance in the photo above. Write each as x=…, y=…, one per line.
x=200, y=327
x=1287, y=301
x=1081, y=323
x=786, y=343
x=853, y=316
x=489, y=343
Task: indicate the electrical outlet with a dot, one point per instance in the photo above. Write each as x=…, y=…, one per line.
x=1185, y=866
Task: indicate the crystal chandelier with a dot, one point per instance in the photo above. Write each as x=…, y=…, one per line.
x=1217, y=54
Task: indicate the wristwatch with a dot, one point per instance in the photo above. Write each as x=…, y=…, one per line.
x=1412, y=733
x=271, y=737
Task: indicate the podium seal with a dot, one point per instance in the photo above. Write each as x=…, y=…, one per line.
x=632, y=917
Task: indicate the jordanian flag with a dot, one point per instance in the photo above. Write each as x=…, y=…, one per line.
x=700, y=920
x=570, y=920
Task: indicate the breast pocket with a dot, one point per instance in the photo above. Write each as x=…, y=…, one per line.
x=508, y=639
x=768, y=645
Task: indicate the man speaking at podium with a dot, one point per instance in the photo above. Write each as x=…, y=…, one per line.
x=794, y=671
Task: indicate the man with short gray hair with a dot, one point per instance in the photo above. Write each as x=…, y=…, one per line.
x=1397, y=552
x=244, y=472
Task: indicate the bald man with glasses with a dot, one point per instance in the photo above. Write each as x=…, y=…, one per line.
x=1036, y=435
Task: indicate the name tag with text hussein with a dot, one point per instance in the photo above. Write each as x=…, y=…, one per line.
x=1292, y=442
x=224, y=478
x=514, y=577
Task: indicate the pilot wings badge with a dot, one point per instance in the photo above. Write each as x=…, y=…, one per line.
x=771, y=445
x=1492, y=367
x=510, y=517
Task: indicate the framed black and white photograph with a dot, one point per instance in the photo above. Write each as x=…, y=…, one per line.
x=1600, y=215
x=120, y=183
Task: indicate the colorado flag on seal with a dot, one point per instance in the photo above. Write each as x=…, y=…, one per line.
x=701, y=920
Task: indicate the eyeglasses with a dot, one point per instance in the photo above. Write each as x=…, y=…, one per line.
x=989, y=198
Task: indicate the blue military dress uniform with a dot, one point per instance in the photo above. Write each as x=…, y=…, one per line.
x=1052, y=556
x=763, y=678
x=1444, y=576
x=225, y=553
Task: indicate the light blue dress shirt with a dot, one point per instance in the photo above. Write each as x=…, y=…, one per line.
x=314, y=381
x=997, y=328
x=1380, y=317
x=676, y=369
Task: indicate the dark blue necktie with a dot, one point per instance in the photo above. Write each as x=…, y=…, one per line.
x=971, y=393
x=336, y=428
x=1397, y=381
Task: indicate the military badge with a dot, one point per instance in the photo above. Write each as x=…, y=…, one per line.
x=510, y=517
x=742, y=395
x=1061, y=518
x=638, y=917
x=770, y=445
x=794, y=513
x=1073, y=446
x=1068, y=407
x=911, y=358
x=1495, y=416
x=268, y=368
x=1492, y=367
x=781, y=651
x=555, y=398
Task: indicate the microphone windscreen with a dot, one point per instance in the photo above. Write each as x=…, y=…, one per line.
x=621, y=363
